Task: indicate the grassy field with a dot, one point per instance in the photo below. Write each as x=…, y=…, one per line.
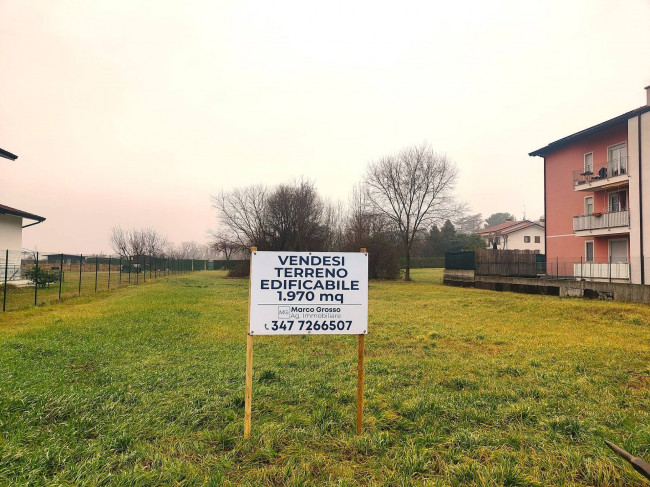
x=23, y=297
x=145, y=386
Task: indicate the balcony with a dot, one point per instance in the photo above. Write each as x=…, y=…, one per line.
x=610, y=270
x=601, y=223
x=602, y=174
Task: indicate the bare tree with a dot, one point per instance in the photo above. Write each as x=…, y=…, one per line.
x=153, y=242
x=468, y=224
x=361, y=218
x=294, y=214
x=135, y=242
x=188, y=250
x=412, y=189
x=334, y=220
x=288, y=217
x=242, y=211
x=119, y=241
x=224, y=244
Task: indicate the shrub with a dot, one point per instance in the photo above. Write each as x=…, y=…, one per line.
x=384, y=255
x=41, y=277
x=241, y=269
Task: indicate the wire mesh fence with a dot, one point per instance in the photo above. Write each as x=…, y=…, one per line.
x=35, y=278
x=635, y=270
x=605, y=269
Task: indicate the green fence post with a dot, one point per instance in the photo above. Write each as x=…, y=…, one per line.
x=36, y=282
x=4, y=292
x=60, y=276
x=81, y=259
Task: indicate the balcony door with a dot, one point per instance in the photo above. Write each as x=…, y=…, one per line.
x=617, y=201
x=618, y=251
x=617, y=160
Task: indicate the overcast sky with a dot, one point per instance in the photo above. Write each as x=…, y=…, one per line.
x=134, y=113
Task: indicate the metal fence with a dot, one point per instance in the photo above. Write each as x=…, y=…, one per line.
x=35, y=278
x=595, y=269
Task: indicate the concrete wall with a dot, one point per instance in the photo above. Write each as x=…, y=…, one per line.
x=558, y=287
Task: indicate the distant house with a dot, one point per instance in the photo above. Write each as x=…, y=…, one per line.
x=596, y=203
x=68, y=259
x=11, y=233
x=515, y=235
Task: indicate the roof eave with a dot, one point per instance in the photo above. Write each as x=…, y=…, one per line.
x=558, y=144
x=22, y=214
x=8, y=155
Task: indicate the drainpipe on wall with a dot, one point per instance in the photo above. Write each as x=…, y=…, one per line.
x=545, y=214
x=641, y=202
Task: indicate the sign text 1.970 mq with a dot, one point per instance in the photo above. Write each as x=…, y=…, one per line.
x=309, y=292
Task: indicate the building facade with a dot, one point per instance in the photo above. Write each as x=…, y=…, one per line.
x=515, y=235
x=594, y=198
x=11, y=233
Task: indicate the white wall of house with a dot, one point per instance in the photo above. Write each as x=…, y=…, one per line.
x=517, y=239
x=11, y=232
x=11, y=238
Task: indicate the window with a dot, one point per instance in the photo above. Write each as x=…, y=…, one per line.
x=538, y=239
x=589, y=163
x=527, y=239
x=589, y=251
x=589, y=205
x=617, y=159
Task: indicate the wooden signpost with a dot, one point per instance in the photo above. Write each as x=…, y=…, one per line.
x=297, y=293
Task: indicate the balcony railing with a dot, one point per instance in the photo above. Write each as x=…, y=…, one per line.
x=601, y=172
x=596, y=221
x=610, y=270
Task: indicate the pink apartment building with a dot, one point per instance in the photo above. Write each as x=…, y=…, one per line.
x=596, y=205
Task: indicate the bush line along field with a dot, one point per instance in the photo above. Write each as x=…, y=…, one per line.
x=145, y=386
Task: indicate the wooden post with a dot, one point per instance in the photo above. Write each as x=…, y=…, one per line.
x=248, y=396
x=249, y=386
x=360, y=359
x=360, y=353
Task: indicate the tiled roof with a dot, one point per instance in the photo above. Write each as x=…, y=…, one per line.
x=7, y=210
x=506, y=227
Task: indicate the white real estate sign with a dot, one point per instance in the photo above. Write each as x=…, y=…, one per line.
x=296, y=293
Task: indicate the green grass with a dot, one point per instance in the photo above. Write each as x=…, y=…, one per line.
x=145, y=386
x=23, y=297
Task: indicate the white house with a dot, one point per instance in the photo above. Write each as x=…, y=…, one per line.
x=513, y=235
x=11, y=233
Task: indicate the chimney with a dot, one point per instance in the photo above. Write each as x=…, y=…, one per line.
x=647, y=94
x=542, y=220
x=509, y=219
